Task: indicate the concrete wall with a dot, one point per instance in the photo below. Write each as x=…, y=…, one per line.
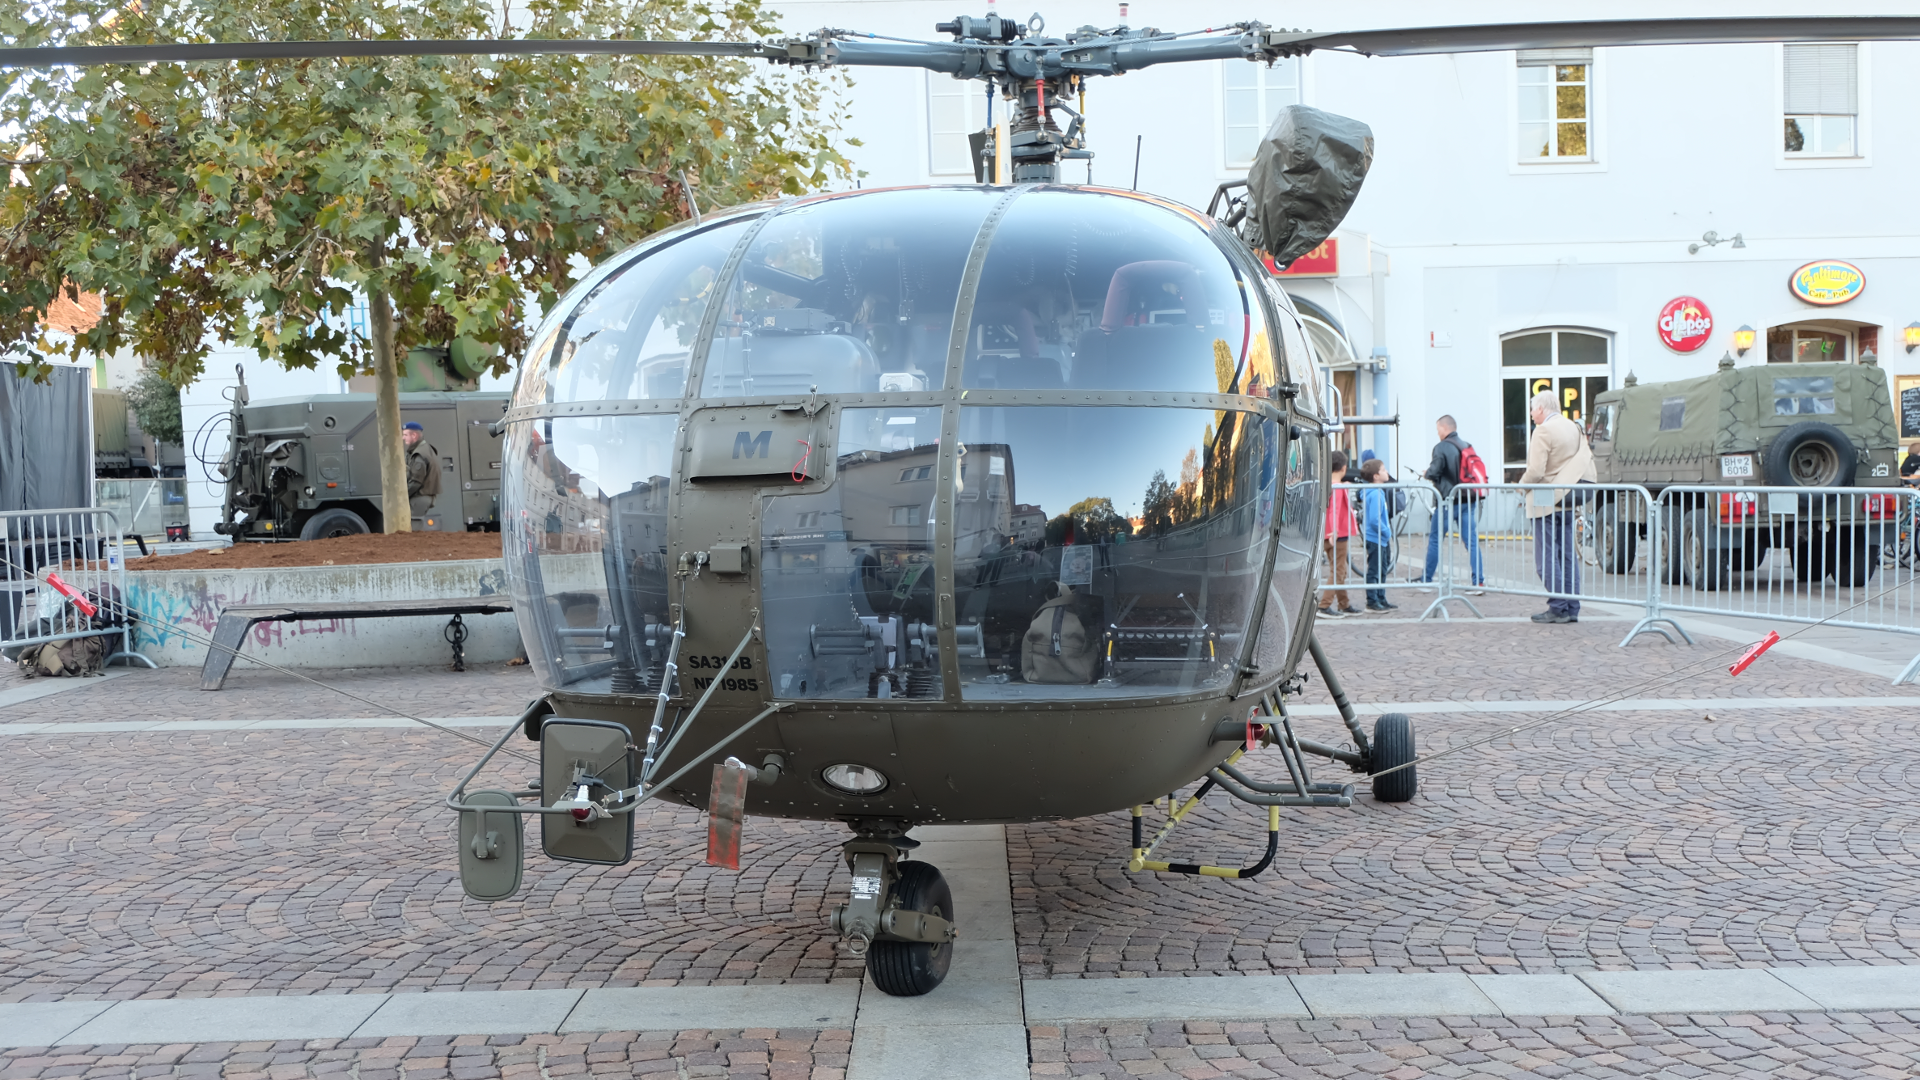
x=178, y=610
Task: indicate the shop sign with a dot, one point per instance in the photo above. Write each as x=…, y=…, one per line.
x=1827, y=282
x=1685, y=324
x=1323, y=261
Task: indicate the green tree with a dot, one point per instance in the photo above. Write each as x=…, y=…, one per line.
x=247, y=202
x=156, y=405
x=1157, y=506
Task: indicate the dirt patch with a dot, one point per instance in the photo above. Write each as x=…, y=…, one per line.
x=338, y=551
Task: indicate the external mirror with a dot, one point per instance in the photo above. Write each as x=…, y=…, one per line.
x=595, y=755
x=492, y=847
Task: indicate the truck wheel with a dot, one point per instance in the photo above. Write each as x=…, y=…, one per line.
x=1705, y=567
x=1670, y=540
x=1812, y=454
x=1614, y=541
x=1852, y=563
x=331, y=523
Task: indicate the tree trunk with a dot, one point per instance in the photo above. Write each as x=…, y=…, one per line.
x=396, y=510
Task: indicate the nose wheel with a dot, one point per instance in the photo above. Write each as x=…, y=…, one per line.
x=899, y=915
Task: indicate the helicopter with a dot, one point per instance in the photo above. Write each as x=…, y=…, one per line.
x=809, y=506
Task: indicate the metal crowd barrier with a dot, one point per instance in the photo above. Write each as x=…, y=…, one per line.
x=1407, y=518
x=1845, y=557
x=80, y=548
x=1838, y=556
x=1580, y=542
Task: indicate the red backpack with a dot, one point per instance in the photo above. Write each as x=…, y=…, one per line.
x=1472, y=471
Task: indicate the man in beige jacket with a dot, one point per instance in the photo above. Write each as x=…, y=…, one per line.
x=1556, y=454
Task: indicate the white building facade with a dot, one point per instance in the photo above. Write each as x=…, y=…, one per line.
x=1531, y=219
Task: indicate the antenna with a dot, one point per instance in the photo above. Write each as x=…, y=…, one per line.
x=1137, y=140
x=687, y=190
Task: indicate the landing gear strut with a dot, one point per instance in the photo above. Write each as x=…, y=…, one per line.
x=900, y=914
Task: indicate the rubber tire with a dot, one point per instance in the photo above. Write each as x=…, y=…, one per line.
x=1393, y=745
x=1704, y=570
x=1851, y=562
x=1780, y=454
x=912, y=968
x=1614, y=540
x=333, y=522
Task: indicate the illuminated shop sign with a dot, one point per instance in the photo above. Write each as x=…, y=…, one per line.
x=1685, y=324
x=1827, y=282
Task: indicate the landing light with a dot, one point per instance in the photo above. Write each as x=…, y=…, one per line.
x=854, y=779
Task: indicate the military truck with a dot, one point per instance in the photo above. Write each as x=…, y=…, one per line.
x=1819, y=425
x=303, y=468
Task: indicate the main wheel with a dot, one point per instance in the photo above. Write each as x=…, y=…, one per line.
x=912, y=968
x=1393, y=745
x=331, y=523
x=1853, y=564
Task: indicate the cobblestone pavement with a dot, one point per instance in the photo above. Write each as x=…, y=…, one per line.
x=1772, y=1045
x=774, y=1055
x=320, y=860
x=1614, y=840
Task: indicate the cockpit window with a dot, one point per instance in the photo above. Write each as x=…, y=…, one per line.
x=630, y=335
x=1093, y=292
x=848, y=296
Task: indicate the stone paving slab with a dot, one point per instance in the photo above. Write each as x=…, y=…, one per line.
x=499, y=1012
x=1856, y=989
x=1740, y=990
x=191, y=1020
x=939, y=1052
x=44, y=1023
x=673, y=1007
x=1055, y=1001
x=1399, y=995
x=1542, y=995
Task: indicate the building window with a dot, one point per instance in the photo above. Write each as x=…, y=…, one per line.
x=1822, y=100
x=1555, y=104
x=907, y=515
x=1805, y=345
x=1254, y=96
x=1574, y=364
x=955, y=109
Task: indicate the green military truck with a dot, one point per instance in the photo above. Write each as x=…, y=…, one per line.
x=303, y=468
x=1820, y=425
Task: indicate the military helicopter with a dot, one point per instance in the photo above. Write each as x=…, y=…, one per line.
x=809, y=506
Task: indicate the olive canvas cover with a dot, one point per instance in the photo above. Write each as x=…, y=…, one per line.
x=1305, y=176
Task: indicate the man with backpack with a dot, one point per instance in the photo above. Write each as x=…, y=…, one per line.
x=1455, y=464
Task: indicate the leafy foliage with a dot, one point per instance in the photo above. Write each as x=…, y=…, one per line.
x=250, y=202
x=156, y=406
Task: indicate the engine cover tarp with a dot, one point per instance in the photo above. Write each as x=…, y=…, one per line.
x=1305, y=176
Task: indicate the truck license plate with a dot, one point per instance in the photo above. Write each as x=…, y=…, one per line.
x=1736, y=465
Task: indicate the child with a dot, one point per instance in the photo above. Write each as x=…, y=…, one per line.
x=1339, y=529
x=1377, y=532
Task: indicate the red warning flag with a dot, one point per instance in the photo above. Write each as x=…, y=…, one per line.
x=726, y=809
x=1753, y=654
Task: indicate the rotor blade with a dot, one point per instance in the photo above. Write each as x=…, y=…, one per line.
x=323, y=50
x=1495, y=37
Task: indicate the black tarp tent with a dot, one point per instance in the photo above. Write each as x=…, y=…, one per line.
x=46, y=439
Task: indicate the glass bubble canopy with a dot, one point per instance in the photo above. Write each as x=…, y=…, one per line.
x=1043, y=404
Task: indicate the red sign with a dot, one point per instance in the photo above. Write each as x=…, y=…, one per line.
x=1685, y=324
x=1323, y=261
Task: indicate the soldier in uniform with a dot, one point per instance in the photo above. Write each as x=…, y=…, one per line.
x=423, y=470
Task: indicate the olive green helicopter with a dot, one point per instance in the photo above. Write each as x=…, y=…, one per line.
x=809, y=506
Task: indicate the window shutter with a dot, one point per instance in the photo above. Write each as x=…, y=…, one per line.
x=1552, y=57
x=1822, y=80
